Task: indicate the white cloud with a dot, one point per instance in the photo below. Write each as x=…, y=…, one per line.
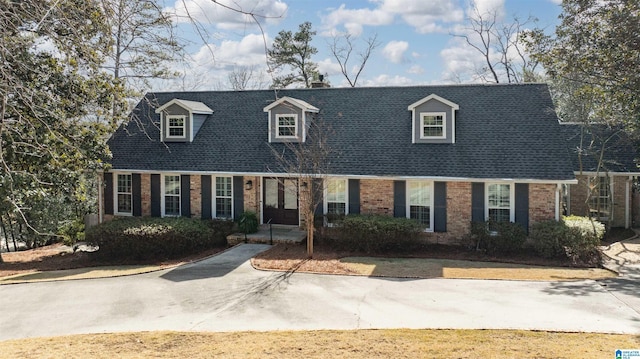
x=327, y=66
x=425, y=16
x=354, y=19
x=386, y=80
x=488, y=8
x=556, y=2
x=246, y=52
x=394, y=51
x=416, y=70
x=208, y=12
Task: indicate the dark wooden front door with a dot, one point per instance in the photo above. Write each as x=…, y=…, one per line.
x=280, y=200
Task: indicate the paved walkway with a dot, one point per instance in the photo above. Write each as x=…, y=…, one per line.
x=224, y=293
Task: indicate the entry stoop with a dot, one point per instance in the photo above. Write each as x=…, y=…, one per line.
x=275, y=234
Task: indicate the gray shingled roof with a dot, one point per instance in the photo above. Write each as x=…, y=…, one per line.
x=502, y=131
x=620, y=152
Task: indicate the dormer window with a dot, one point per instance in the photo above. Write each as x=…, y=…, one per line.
x=180, y=120
x=433, y=120
x=288, y=119
x=176, y=126
x=287, y=126
x=433, y=125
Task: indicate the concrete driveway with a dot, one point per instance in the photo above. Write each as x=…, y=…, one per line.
x=224, y=293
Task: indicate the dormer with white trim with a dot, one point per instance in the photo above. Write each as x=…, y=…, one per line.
x=180, y=120
x=288, y=119
x=433, y=120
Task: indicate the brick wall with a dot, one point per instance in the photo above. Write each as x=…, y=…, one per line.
x=542, y=202
x=376, y=197
x=252, y=196
x=195, y=181
x=145, y=193
x=578, y=194
x=458, y=209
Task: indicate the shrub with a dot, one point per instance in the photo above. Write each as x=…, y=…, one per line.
x=152, y=238
x=376, y=234
x=72, y=231
x=577, y=238
x=248, y=222
x=549, y=238
x=499, y=237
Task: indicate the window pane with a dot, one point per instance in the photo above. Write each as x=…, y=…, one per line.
x=290, y=194
x=124, y=203
x=223, y=186
x=499, y=195
x=433, y=120
x=419, y=193
x=421, y=213
x=337, y=190
x=172, y=205
x=432, y=132
x=223, y=207
x=178, y=132
x=172, y=185
x=271, y=192
x=286, y=126
x=499, y=215
x=124, y=183
x=336, y=208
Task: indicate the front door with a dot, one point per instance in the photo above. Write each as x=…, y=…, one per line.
x=280, y=201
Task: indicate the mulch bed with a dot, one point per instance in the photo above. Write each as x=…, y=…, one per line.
x=58, y=257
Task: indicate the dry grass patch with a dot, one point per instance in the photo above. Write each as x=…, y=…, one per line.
x=458, y=269
x=287, y=258
x=400, y=343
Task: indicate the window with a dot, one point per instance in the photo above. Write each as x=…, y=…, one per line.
x=123, y=194
x=433, y=125
x=287, y=126
x=176, y=126
x=224, y=197
x=336, y=198
x=419, y=202
x=171, y=195
x=599, y=199
x=499, y=202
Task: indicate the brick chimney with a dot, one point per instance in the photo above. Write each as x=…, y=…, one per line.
x=319, y=83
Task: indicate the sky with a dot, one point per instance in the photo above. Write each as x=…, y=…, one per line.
x=416, y=42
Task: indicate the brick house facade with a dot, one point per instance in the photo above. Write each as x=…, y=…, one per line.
x=443, y=155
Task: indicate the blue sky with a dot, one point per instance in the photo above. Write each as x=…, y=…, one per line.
x=416, y=45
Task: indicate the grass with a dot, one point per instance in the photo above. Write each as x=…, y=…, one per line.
x=458, y=269
x=396, y=343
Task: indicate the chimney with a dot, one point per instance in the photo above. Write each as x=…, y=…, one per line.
x=319, y=83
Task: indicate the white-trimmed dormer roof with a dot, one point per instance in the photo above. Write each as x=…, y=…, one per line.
x=303, y=105
x=191, y=106
x=434, y=97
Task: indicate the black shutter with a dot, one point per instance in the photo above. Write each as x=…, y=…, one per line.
x=238, y=196
x=354, y=196
x=108, y=193
x=136, y=194
x=318, y=192
x=440, y=204
x=477, y=202
x=185, y=195
x=522, y=205
x=399, y=199
x=155, y=196
x=205, y=186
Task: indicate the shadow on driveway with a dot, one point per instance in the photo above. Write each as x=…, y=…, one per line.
x=216, y=266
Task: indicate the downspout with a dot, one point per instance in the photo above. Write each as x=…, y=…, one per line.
x=558, y=189
x=627, y=199
x=100, y=199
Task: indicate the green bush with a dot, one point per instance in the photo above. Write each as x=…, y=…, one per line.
x=248, y=222
x=153, y=238
x=72, y=231
x=577, y=238
x=549, y=238
x=499, y=237
x=376, y=234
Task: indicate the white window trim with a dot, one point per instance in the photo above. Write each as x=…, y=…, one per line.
x=444, y=125
x=115, y=194
x=512, y=200
x=325, y=194
x=163, y=194
x=214, y=196
x=295, y=123
x=431, y=203
x=168, y=118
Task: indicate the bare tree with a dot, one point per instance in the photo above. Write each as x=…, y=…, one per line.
x=342, y=48
x=310, y=163
x=499, y=45
x=246, y=78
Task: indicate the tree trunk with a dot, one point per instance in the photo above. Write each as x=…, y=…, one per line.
x=6, y=237
x=310, y=230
